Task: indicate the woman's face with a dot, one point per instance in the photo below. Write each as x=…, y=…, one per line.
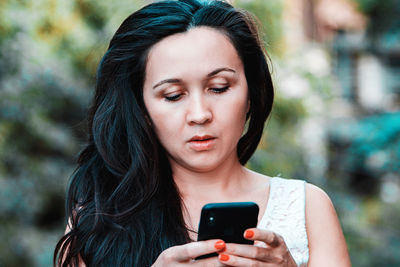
x=195, y=91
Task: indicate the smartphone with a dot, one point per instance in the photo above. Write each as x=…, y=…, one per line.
x=227, y=221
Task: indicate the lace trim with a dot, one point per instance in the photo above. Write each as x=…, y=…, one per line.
x=285, y=215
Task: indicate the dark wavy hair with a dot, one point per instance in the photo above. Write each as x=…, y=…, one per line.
x=123, y=206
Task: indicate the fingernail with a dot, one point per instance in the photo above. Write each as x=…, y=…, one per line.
x=219, y=245
x=248, y=234
x=223, y=257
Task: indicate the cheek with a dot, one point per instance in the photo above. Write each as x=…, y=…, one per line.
x=155, y=116
x=163, y=131
x=160, y=123
x=241, y=108
x=242, y=114
x=235, y=117
x=165, y=123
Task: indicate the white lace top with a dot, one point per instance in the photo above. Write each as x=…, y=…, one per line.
x=285, y=215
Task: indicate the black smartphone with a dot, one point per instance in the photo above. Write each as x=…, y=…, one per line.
x=227, y=221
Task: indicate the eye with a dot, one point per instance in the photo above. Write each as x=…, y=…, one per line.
x=219, y=90
x=173, y=98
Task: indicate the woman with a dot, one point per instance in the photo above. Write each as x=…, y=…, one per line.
x=174, y=91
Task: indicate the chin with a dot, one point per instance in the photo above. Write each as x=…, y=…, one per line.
x=202, y=166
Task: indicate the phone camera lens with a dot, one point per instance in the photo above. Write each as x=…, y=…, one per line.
x=211, y=220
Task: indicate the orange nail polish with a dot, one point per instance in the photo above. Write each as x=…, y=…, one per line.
x=248, y=234
x=223, y=257
x=219, y=245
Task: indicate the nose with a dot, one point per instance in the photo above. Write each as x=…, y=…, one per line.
x=199, y=110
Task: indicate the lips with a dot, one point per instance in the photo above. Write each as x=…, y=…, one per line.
x=202, y=143
x=201, y=138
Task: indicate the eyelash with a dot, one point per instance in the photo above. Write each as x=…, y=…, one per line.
x=176, y=97
x=172, y=98
x=220, y=90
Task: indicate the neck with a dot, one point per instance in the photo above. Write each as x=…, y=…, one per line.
x=216, y=185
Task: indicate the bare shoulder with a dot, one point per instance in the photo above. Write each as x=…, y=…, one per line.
x=320, y=212
x=326, y=241
x=317, y=198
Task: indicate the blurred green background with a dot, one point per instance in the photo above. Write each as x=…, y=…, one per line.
x=336, y=119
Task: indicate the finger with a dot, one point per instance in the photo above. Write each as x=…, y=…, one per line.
x=268, y=237
x=214, y=262
x=193, y=250
x=232, y=260
x=249, y=251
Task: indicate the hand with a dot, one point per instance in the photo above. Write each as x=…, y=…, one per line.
x=275, y=252
x=184, y=255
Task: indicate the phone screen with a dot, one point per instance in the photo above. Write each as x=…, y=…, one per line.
x=227, y=221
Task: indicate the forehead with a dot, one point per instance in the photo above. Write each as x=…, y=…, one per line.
x=196, y=51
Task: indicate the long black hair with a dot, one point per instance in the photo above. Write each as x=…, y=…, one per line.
x=123, y=206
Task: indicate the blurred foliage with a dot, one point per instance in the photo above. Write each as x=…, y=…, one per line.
x=49, y=51
x=279, y=153
x=269, y=17
x=273, y=157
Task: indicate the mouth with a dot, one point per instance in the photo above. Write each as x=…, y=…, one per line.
x=202, y=143
x=201, y=138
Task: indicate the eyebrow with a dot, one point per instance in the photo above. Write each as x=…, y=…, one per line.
x=211, y=74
